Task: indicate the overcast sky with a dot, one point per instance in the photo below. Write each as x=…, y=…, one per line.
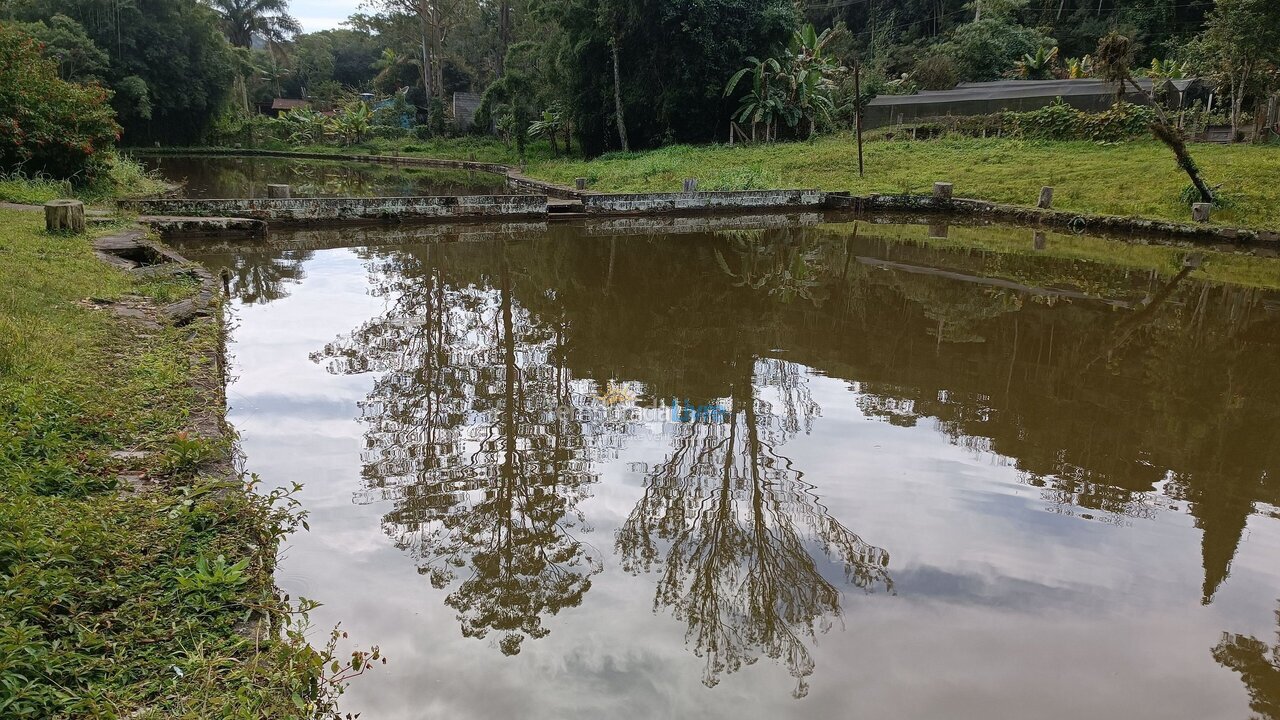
x=322, y=14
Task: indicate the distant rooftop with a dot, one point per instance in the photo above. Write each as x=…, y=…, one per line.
x=289, y=104
x=1008, y=90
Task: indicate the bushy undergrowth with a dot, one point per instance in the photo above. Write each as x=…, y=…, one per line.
x=1060, y=121
x=48, y=125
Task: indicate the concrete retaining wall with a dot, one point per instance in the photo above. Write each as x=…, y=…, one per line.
x=320, y=210
x=642, y=203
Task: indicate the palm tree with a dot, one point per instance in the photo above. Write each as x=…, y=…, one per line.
x=242, y=19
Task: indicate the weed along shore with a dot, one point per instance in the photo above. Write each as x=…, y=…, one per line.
x=135, y=561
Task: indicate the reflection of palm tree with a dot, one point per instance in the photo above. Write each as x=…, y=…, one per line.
x=743, y=533
x=1259, y=668
x=483, y=472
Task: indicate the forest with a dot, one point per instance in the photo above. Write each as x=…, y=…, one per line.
x=591, y=73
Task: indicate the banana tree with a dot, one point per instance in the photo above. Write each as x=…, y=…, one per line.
x=353, y=123
x=766, y=100
x=811, y=74
x=304, y=126
x=1078, y=68
x=1038, y=66
x=550, y=125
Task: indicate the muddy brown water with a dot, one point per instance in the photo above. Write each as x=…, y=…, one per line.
x=222, y=176
x=804, y=471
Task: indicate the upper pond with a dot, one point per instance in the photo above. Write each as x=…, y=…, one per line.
x=823, y=470
x=227, y=176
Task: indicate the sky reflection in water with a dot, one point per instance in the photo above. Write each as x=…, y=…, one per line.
x=945, y=483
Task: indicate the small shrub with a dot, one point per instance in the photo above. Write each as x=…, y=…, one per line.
x=936, y=72
x=1221, y=200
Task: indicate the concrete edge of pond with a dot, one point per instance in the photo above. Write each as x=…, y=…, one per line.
x=640, y=204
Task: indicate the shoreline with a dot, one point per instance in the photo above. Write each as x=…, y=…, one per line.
x=133, y=536
x=623, y=205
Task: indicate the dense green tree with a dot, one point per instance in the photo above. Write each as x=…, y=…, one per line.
x=170, y=67
x=670, y=90
x=66, y=42
x=1241, y=43
x=991, y=46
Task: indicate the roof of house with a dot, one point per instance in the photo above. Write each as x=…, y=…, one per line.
x=289, y=104
x=1007, y=90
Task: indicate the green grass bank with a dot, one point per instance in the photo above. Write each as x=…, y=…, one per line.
x=135, y=571
x=1137, y=178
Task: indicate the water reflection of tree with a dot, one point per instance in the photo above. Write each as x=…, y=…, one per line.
x=259, y=277
x=738, y=535
x=1259, y=668
x=465, y=440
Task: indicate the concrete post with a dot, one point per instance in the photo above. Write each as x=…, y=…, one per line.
x=690, y=185
x=942, y=191
x=1200, y=212
x=1046, y=198
x=1039, y=241
x=279, y=191
x=580, y=183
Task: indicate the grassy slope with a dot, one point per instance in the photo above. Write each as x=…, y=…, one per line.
x=1137, y=178
x=1134, y=178
x=93, y=619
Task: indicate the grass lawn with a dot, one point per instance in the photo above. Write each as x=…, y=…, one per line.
x=1133, y=178
x=121, y=603
x=1136, y=178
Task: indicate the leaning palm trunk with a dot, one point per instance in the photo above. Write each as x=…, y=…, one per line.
x=1173, y=139
x=1165, y=132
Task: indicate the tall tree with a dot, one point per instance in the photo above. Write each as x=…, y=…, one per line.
x=267, y=19
x=170, y=66
x=1243, y=38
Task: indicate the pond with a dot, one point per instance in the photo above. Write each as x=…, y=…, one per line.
x=224, y=176
x=794, y=467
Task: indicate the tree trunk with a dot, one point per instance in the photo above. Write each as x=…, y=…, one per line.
x=617, y=97
x=64, y=216
x=1239, y=85
x=1166, y=133
x=426, y=53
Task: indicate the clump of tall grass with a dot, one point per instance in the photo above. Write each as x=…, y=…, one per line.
x=115, y=176
x=18, y=187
